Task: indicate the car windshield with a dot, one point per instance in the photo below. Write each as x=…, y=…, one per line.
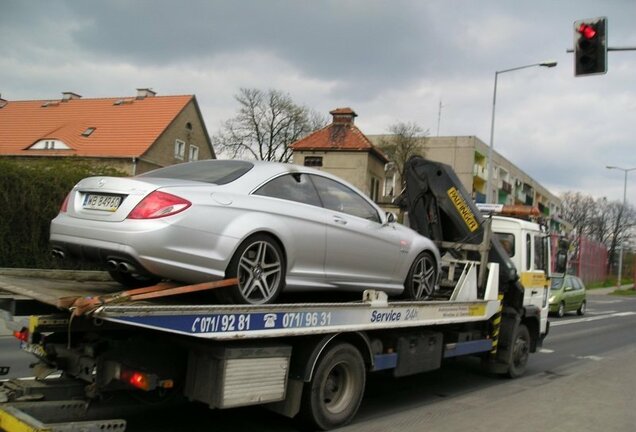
x=209, y=171
x=557, y=283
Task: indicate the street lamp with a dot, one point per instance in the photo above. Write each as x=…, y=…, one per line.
x=489, y=197
x=620, y=250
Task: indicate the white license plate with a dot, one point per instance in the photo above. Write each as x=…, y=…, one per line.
x=102, y=202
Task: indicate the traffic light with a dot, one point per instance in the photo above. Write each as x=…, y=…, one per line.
x=590, y=46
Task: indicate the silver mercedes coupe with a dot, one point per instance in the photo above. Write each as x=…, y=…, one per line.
x=274, y=226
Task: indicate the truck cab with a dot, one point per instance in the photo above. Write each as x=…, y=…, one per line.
x=528, y=247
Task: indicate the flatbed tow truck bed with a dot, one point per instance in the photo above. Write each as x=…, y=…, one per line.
x=285, y=343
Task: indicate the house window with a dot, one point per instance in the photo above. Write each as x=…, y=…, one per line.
x=313, y=161
x=193, y=153
x=88, y=131
x=374, y=190
x=179, y=149
x=189, y=126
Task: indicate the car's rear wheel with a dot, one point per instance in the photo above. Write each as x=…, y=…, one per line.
x=582, y=308
x=134, y=280
x=259, y=265
x=422, y=277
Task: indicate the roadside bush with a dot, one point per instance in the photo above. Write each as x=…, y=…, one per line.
x=31, y=193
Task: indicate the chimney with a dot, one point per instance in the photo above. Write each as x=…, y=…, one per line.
x=3, y=102
x=143, y=93
x=67, y=96
x=343, y=116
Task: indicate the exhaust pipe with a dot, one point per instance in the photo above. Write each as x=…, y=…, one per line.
x=111, y=265
x=124, y=267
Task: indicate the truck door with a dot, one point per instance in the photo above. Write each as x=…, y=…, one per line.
x=534, y=272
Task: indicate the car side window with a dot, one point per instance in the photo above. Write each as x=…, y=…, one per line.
x=292, y=187
x=338, y=197
x=567, y=283
x=576, y=284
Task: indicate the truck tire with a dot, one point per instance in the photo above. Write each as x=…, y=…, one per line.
x=520, y=351
x=422, y=277
x=332, y=397
x=259, y=264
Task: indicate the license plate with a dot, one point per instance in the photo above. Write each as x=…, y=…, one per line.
x=102, y=202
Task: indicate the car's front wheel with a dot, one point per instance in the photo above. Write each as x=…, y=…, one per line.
x=259, y=265
x=422, y=277
x=561, y=310
x=582, y=308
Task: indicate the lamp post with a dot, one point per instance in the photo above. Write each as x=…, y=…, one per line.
x=620, y=250
x=489, y=197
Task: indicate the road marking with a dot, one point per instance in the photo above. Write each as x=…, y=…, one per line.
x=590, y=357
x=546, y=351
x=595, y=318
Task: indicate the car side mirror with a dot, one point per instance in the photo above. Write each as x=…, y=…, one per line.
x=390, y=217
x=566, y=289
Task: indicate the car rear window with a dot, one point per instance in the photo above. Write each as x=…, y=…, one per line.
x=209, y=171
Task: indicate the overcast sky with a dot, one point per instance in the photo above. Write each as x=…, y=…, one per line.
x=390, y=61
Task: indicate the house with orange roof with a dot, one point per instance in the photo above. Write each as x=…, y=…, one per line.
x=342, y=149
x=132, y=134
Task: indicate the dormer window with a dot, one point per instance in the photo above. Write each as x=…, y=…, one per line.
x=49, y=144
x=88, y=132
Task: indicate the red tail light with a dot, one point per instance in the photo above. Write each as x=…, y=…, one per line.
x=21, y=335
x=158, y=205
x=64, y=206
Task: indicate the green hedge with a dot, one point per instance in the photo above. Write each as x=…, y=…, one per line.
x=31, y=193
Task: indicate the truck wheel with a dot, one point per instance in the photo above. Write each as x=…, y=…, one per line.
x=259, y=265
x=332, y=397
x=520, y=352
x=421, y=279
x=581, y=309
x=561, y=310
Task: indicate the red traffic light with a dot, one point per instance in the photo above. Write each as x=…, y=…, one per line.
x=587, y=31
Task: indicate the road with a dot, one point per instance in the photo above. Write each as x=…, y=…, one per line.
x=581, y=380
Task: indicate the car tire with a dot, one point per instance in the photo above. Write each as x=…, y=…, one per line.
x=421, y=279
x=134, y=280
x=259, y=265
x=561, y=311
x=582, y=308
x=332, y=397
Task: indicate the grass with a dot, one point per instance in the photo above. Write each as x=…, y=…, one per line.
x=609, y=283
x=624, y=292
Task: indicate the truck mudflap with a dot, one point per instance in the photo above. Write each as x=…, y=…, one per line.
x=53, y=416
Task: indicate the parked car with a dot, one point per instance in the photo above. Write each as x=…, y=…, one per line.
x=567, y=294
x=274, y=226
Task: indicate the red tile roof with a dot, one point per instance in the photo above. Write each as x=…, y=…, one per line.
x=338, y=137
x=124, y=129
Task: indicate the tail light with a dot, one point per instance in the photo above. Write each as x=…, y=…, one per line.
x=64, y=206
x=21, y=335
x=144, y=381
x=158, y=205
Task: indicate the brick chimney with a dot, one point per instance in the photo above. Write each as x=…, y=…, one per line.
x=343, y=116
x=67, y=96
x=143, y=93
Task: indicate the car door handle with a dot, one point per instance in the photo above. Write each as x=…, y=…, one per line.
x=339, y=220
x=535, y=292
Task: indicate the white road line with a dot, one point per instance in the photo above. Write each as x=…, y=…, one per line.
x=546, y=351
x=595, y=318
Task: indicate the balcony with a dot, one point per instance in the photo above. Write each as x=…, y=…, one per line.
x=506, y=187
x=480, y=171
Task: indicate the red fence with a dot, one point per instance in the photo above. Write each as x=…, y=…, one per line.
x=591, y=263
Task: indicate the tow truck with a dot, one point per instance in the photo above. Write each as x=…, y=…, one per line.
x=303, y=360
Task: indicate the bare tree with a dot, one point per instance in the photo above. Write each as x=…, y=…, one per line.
x=610, y=223
x=265, y=125
x=406, y=140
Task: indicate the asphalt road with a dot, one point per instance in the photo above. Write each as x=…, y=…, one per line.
x=581, y=380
